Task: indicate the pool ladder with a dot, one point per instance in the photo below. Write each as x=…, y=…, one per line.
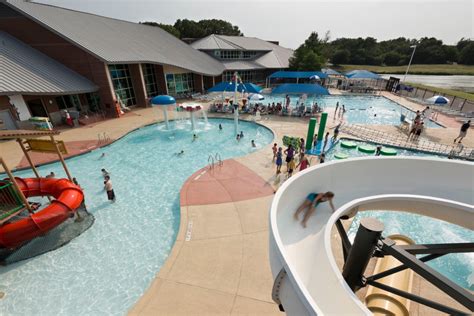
x=214, y=160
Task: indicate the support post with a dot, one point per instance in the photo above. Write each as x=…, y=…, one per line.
x=463, y=104
x=322, y=126
x=61, y=158
x=27, y=155
x=365, y=242
x=236, y=105
x=309, y=136
x=15, y=184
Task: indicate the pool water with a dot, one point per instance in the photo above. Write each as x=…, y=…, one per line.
x=107, y=269
x=368, y=110
x=354, y=152
x=457, y=267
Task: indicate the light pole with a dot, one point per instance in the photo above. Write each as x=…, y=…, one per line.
x=409, y=63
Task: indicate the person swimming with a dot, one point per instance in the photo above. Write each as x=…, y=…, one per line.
x=238, y=137
x=253, y=144
x=180, y=153
x=194, y=137
x=241, y=134
x=220, y=126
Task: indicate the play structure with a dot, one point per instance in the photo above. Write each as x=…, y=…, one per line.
x=22, y=221
x=321, y=145
x=164, y=102
x=191, y=108
x=307, y=278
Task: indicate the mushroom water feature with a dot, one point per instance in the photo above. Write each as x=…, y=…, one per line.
x=191, y=108
x=164, y=101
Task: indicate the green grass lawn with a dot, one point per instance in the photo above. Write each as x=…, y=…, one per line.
x=415, y=69
x=460, y=94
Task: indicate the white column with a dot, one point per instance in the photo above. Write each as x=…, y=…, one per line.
x=19, y=103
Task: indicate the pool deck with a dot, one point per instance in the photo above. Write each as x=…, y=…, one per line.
x=219, y=263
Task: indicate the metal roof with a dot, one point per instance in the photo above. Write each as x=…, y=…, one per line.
x=273, y=56
x=362, y=74
x=241, y=65
x=24, y=70
x=118, y=41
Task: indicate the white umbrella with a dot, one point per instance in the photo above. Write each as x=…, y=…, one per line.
x=256, y=97
x=438, y=99
x=314, y=77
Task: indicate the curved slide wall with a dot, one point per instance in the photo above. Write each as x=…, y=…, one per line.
x=313, y=285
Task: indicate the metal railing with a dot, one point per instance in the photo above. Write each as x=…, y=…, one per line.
x=103, y=138
x=397, y=140
x=210, y=161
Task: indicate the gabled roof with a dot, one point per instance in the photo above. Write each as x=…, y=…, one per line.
x=117, y=41
x=273, y=56
x=24, y=70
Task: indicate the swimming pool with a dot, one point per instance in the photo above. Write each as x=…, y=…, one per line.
x=369, y=110
x=457, y=267
x=106, y=269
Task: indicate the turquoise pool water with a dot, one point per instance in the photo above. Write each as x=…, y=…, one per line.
x=370, y=110
x=105, y=270
x=458, y=267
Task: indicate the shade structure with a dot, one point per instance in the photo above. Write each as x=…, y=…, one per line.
x=163, y=100
x=362, y=74
x=308, y=88
x=256, y=97
x=438, y=99
x=297, y=74
x=230, y=87
x=331, y=72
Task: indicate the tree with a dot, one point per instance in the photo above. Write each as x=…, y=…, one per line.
x=189, y=29
x=340, y=56
x=392, y=58
x=308, y=56
x=219, y=27
x=167, y=27
x=466, y=56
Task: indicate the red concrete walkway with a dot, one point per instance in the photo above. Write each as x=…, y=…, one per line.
x=230, y=182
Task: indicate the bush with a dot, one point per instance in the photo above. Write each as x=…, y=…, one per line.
x=466, y=56
x=341, y=56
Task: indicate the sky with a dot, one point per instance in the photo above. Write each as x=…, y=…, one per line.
x=291, y=22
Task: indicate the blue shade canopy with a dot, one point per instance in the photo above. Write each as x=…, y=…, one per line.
x=163, y=100
x=299, y=88
x=362, y=74
x=298, y=74
x=438, y=99
x=230, y=87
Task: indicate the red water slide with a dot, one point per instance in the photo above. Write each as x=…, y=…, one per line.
x=68, y=197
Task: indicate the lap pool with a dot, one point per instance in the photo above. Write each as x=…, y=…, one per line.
x=369, y=110
x=106, y=269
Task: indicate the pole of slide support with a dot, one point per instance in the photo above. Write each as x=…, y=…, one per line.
x=309, y=136
x=322, y=126
x=235, y=105
x=368, y=234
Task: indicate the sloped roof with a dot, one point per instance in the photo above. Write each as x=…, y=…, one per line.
x=298, y=88
x=24, y=70
x=117, y=41
x=274, y=56
x=362, y=74
x=241, y=65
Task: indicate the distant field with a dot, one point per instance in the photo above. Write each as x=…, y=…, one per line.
x=416, y=69
x=456, y=93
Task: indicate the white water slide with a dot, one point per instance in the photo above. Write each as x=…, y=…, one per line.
x=313, y=284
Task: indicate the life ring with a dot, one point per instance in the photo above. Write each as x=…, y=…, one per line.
x=368, y=149
x=348, y=144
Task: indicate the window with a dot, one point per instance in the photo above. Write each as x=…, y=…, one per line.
x=235, y=54
x=93, y=100
x=179, y=84
x=149, y=77
x=68, y=102
x=246, y=76
x=122, y=83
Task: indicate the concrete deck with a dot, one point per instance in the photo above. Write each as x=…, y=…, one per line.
x=219, y=263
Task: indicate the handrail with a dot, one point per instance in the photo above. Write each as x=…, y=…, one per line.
x=219, y=159
x=210, y=161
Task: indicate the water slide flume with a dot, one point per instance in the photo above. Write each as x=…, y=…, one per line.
x=68, y=197
x=312, y=283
